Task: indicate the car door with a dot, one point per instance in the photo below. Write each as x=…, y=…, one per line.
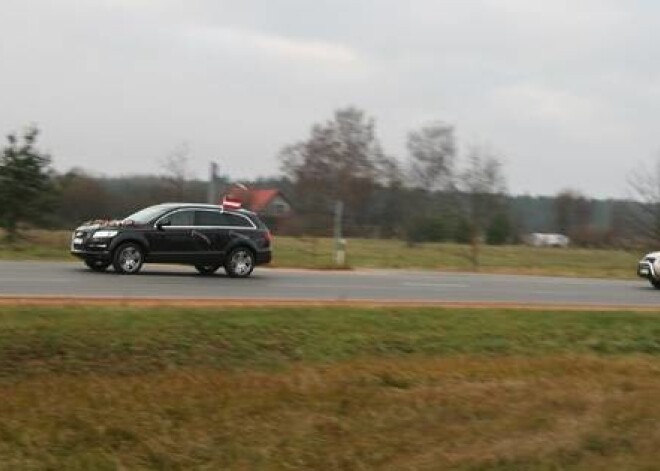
x=208, y=235
x=172, y=239
x=215, y=230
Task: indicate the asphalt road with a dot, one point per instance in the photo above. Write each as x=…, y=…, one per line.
x=47, y=279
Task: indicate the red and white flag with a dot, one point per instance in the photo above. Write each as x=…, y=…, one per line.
x=231, y=203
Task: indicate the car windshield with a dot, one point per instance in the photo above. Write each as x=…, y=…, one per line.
x=147, y=214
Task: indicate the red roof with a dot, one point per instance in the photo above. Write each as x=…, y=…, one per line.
x=254, y=200
x=259, y=199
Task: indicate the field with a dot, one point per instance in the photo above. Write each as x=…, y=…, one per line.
x=370, y=253
x=328, y=388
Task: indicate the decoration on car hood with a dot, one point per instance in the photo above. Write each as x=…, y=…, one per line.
x=96, y=223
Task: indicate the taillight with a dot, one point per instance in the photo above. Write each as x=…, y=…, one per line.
x=269, y=237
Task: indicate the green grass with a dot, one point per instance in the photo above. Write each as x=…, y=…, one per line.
x=295, y=252
x=128, y=340
x=328, y=388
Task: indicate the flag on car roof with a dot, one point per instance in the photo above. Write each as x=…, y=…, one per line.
x=231, y=203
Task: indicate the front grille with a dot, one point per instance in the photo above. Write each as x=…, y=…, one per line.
x=645, y=269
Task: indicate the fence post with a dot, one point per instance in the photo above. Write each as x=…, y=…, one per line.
x=340, y=244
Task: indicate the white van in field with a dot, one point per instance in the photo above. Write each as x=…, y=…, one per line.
x=539, y=239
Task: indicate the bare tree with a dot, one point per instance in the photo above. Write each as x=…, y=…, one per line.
x=432, y=151
x=482, y=188
x=177, y=170
x=644, y=186
x=340, y=160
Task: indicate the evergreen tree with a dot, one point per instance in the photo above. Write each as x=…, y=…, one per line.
x=25, y=182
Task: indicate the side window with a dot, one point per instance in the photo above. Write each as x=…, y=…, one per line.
x=180, y=218
x=209, y=218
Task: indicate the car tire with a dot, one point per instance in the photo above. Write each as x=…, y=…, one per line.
x=240, y=262
x=128, y=259
x=97, y=265
x=207, y=269
x=654, y=283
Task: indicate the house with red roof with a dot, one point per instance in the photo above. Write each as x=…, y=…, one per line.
x=268, y=203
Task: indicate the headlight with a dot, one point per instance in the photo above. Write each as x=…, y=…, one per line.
x=104, y=234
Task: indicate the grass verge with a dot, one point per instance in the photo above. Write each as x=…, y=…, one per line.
x=296, y=252
x=328, y=388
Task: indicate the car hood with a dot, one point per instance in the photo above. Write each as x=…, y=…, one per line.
x=106, y=224
x=88, y=227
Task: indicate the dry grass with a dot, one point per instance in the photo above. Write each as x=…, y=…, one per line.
x=336, y=389
x=37, y=245
x=371, y=253
x=472, y=413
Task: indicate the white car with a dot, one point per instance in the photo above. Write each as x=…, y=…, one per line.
x=649, y=268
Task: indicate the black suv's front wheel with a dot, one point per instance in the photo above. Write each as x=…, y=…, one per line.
x=240, y=263
x=128, y=259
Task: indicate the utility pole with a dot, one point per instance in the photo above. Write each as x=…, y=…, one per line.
x=340, y=243
x=212, y=195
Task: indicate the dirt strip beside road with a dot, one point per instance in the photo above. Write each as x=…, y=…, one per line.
x=275, y=302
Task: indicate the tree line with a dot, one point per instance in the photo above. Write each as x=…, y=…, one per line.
x=437, y=194
x=441, y=191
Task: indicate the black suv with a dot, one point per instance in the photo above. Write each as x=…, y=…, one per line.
x=206, y=236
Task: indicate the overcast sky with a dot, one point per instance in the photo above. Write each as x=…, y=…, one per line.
x=567, y=92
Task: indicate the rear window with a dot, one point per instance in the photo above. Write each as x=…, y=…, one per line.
x=237, y=221
x=215, y=219
x=260, y=224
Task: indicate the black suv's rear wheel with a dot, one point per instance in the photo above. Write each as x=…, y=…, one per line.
x=207, y=269
x=128, y=259
x=240, y=263
x=97, y=265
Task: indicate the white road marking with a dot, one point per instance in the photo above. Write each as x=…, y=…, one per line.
x=412, y=284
